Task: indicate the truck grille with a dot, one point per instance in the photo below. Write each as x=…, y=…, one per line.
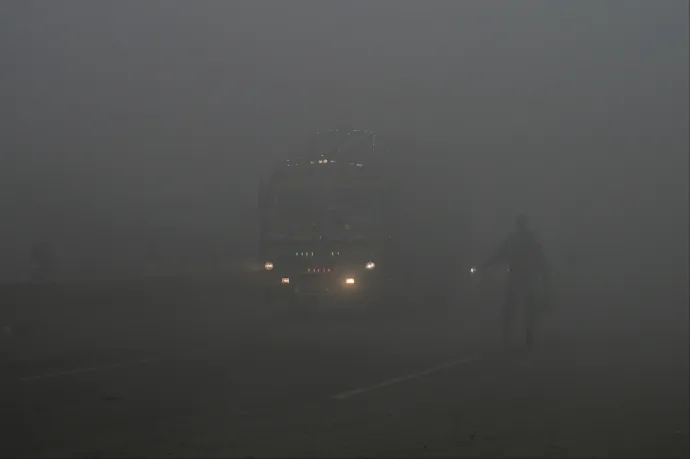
x=315, y=283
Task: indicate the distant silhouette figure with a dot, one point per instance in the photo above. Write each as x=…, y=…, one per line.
x=528, y=270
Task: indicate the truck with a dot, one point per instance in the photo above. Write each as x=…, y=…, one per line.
x=328, y=223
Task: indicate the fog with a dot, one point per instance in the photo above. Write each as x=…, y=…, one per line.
x=129, y=125
x=164, y=114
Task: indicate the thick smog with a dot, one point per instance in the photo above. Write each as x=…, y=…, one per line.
x=309, y=229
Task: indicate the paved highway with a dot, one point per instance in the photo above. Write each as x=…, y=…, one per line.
x=418, y=385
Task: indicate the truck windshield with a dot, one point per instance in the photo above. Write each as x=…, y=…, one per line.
x=336, y=211
x=345, y=202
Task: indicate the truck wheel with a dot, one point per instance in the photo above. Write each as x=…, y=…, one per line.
x=297, y=308
x=268, y=297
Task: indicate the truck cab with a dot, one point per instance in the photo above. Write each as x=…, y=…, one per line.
x=327, y=229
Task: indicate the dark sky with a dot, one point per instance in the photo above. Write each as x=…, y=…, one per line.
x=165, y=113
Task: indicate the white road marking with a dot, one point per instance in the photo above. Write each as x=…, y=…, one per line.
x=400, y=379
x=105, y=367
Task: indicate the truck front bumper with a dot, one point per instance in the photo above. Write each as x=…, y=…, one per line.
x=325, y=284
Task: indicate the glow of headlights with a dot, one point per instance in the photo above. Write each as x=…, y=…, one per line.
x=370, y=265
x=268, y=266
x=285, y=280
x=350, y=281
x=473, y=270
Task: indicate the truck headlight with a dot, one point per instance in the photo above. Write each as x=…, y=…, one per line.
x=350, y=280
x=370, y=265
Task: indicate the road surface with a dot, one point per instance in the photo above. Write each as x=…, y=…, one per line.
x=412, y=386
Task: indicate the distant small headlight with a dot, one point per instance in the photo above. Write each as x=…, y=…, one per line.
x=370, y=265
x=268, y=266
x=350, y=281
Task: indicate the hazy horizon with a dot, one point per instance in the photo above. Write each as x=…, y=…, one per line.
x=162, y=116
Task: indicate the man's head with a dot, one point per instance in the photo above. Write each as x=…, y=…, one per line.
x=522, y=222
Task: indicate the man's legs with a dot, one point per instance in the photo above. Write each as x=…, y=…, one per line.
x=509, y=305
x=531, y=314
